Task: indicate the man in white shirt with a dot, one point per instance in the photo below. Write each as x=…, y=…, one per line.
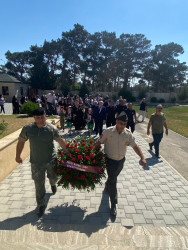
x=116, y=139
x=50, y=103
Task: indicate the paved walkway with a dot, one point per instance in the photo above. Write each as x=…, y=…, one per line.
x=157, y=196
x=151, y=202
x=8, y=108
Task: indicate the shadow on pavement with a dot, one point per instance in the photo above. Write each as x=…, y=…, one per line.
x=56, y=218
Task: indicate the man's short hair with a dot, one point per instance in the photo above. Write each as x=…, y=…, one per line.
x=38, y=112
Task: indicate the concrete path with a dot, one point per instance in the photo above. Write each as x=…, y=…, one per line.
x=152, y=210
x=8, y=109
x=173, y=148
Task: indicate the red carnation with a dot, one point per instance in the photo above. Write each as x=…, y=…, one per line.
x=77, y=150
x=82, y=176
x=68, y=169
x=100, y=157
x=60, y=170
x=69, y=155
x=105, y=155
x=60, y=161
x=102, y=170
x=80, y=157
x=85, y=149
x=62, y=154
x=94, y=161
x=87, y=157
x=55, y=159
x=94, y=178
x=85, y=184
x=83, y=144
x=62, y=181
x=74, y=141
x=91, y=142
x=71, y=146
x=76, y=177
x=91, y=147
x=92, y=155
x=73, y=184
x=75, y=145
x=59, y=152
x=67, y=176
x=73, y=159
x=68, y=144
x=83, y=140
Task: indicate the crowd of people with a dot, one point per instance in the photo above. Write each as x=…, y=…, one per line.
x=79, y=112
x=91, y=111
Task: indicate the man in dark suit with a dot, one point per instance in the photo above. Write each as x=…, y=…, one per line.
x=99, y=116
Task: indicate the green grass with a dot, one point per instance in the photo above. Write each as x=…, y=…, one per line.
x=176, y=117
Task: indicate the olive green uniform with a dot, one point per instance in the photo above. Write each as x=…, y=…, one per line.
x=42, y=152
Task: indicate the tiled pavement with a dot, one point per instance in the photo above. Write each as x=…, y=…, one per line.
x=8, y=108
x=157, y=196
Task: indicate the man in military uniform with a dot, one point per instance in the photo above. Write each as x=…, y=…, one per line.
x=116, y=139
x=41, y=136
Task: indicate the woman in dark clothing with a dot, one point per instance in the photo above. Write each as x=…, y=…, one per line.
x=78, y=116
x=15, y=105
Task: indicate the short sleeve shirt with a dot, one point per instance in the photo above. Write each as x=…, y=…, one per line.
x=115, y=144
x=130, y=114
x=50, y=98
x=143, y=106
x=157, y=122
x=42, y=148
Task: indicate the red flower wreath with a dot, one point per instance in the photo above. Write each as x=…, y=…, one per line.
x=82, y=167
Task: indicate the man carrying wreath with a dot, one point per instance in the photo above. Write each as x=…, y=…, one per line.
x=116, y=139
x=41, y=136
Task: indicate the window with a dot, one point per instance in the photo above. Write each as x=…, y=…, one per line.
x=21, y=90
x=5, y=90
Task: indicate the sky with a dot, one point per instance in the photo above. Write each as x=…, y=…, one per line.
x=24, y=23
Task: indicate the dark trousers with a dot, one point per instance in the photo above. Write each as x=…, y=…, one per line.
x=113, y=169
x=156, y=141
x=2, y=109
x=98, y=127
x=51, y=109
x=110, y=122
x=131, y=124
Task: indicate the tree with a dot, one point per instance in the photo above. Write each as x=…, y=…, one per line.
x=18, y=64
x=40, y=77
x=164, y=70
x=133, y=52
x=84, y=90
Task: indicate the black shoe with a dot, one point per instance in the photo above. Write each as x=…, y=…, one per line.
x=54, y=189
x=156, y=155
x=113, y=211
x=40, y=211
x=150, y=146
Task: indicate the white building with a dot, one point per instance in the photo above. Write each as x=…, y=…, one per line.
x=10, y=86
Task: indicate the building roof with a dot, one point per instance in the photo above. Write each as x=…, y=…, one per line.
x=8, y=78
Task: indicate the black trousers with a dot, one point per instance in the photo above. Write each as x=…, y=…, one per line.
x=110, y=122
x=113, y=169
x=131, y=124
x=98, y=127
